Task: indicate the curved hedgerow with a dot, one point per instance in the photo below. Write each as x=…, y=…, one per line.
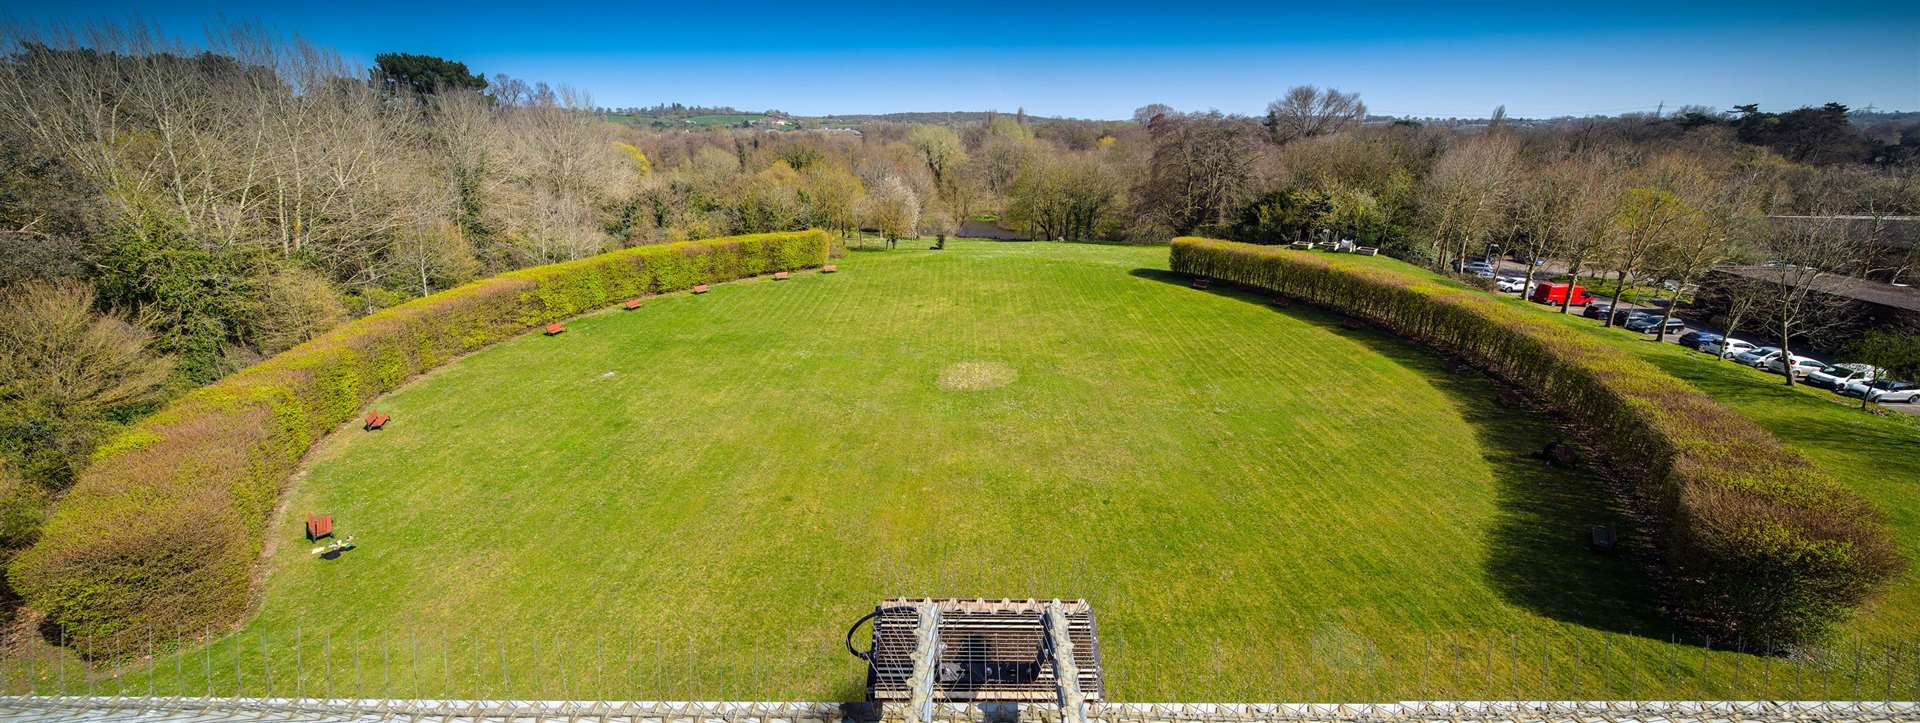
x=1759, y=543
x=161, y=532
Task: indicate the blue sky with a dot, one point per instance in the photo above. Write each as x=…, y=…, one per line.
x=1103, y=60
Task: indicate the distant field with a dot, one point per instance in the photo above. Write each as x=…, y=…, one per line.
x=693, y=500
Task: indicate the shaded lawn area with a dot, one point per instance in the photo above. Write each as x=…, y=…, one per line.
x=692, y=500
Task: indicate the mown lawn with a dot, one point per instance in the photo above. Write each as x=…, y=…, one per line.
x=694, y=499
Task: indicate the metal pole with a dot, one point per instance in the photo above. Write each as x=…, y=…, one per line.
x=926, y=659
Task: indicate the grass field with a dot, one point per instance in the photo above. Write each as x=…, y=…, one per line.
x=693, y=500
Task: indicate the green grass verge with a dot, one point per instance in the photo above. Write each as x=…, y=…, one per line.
x=693, y=499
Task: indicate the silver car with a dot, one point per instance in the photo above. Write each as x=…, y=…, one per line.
x=1758, y=356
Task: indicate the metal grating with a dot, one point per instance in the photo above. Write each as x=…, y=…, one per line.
x=989, y=650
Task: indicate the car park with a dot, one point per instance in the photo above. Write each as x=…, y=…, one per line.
x=1727, y=348
x=1885, y=391
x=1799, y=366
x=1757, y=357
x=1838, y=376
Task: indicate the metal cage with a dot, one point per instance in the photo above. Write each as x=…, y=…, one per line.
x=984, y=650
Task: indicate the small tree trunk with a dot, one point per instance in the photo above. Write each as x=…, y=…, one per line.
x=1573, y=280
x=1786, y=353
x=1619, y=287
x=1672, y=301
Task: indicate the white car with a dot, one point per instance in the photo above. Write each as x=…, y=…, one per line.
x=1727, y=348
x=1838, y=376
x=1510, y=284
x=1801, y=366
x=1885, y=391
x=1757, y=357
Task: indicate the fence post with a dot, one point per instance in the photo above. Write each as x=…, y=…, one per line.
x=299, y=663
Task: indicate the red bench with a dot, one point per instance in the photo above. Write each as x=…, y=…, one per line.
x=780, y=275
x=319, y=526
x=632, y=304
x=829, y=268
x=700, y=288
x=375, y=420
x=555, y=328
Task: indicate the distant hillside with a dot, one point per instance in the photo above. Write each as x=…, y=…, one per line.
x=678, y=116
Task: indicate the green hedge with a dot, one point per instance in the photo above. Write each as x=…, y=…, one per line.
x=1758, y=543
x=163, y=530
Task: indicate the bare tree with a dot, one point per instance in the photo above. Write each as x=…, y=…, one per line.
x=1468, y=195
x=893, y=208
x=1306, y=111
x=1803, y=260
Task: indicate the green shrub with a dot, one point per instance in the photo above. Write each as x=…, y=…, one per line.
x=1760, y=544
x=163, y=529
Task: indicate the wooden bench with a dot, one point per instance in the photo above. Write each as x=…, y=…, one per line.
x=1300, y=246
x=701, y=288
x=780, y=275
x=1367, y=251
x=555, y=328
x=829, y=268
x=1201, y=282
x=375, y=420
x=319, y=526
x=631, y=304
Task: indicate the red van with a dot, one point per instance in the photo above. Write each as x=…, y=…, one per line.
x=1557, y=293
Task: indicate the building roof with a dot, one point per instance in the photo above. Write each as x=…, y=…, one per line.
x=1850, y=287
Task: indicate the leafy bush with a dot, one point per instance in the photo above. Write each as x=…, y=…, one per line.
x=1760, y=544
x=297, y=306
x=163, y=529
x=66, y=372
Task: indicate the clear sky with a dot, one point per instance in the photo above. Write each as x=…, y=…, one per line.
x=1102, y=60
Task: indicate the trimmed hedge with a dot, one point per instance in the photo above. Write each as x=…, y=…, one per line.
x=1759, y=544
x=162, y=531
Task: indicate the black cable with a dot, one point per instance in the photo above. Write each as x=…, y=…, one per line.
x=868, y=655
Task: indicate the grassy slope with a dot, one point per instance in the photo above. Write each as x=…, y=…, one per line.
x=1879, y=455
x=693, y=500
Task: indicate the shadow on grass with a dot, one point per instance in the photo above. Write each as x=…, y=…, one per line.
x=1536, y=556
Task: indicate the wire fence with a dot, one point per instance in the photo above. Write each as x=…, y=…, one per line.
x=1323, y=669
x=310, y=710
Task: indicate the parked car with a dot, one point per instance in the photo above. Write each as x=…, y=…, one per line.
x=1757, y=357
x=1799, y=366
x=1620, y=316
x=1510, y=284
x=1557, y=294
x=1885, y=391
x=1838, y=376
x=1477, y=267
x=1651, y=323
x=1727, y=348
x=1696, y=339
